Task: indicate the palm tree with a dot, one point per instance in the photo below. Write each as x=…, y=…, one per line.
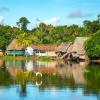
x=24, y=39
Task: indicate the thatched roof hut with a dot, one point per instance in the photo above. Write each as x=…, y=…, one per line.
x=64, y=47
x=14, y=49
x=73, y=50
x=38, y=50
x=78, y=45
x=13, y=46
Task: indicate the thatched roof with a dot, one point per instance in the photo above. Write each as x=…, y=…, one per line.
x=64, y=47
x=78, y=45
x=13, y=46
x=73, y=50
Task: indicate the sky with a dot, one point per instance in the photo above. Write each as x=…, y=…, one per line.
x=55, y=12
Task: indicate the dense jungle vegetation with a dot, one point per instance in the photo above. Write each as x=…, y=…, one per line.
x=48, y=34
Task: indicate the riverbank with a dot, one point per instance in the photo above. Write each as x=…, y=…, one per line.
x=45, y=58
x=95, y=61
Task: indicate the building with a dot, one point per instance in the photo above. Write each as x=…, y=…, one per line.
x=63, y=48
x=44, y=50
x=14, y=49
x=79, y=48
x=29, y=51
x=33, y=50
x=73, y=51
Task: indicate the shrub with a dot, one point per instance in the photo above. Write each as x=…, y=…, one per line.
x=92, y=46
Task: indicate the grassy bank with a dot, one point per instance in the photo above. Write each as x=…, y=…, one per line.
x=46, y=58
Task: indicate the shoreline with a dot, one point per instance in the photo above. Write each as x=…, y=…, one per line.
x=43, y=58
x=95, y=61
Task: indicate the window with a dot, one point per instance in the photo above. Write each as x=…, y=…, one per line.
x=42, y=51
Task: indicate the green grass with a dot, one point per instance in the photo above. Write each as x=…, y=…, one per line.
x=46, y=58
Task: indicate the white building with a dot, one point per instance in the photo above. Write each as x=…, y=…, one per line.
x=44, y=50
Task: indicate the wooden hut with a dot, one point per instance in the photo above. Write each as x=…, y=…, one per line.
x=14, y=49
x=78, y=48
x=63, y=48
x=72, y=51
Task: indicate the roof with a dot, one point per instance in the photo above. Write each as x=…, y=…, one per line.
x=45, y=47
x=78, y=45
x=13, y=45
x=64, y=47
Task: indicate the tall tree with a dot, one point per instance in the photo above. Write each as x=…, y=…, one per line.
x=24, y=39
x=22, y=23
x=7, y=34
x=99, y=18
x=91, y=26
x=73, y=30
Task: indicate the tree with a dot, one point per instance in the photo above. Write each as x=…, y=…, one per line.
x=92, y=46
x=92, y=26
x=7, y=34
x=42, y=32
x=73, y=30
x=24, y=39
x=22, y=23
x=99, y=18
x=45, y=34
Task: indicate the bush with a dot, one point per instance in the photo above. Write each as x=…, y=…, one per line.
x=92, y=46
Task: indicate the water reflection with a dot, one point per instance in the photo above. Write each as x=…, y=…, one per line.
x=92, y=76
x=56, y=76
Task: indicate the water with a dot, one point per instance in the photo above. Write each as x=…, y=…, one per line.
x=54, y=81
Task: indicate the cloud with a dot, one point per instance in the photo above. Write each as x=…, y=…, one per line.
x=4, y=9
x=53, y=21
x=79, y=14
x=1, y=20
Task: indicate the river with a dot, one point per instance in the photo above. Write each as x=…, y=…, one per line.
x=54, y=80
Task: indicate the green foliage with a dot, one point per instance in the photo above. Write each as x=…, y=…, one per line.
x=91, y=26
x=7, y=33
x=92, y=46
x=48, y=34
x=22, y=23
x=24, y=39
x=45, y=34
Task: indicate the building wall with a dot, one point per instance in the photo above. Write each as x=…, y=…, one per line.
x=22, y=52
x=47, y=53
x=51, y=53
x=15, y=52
